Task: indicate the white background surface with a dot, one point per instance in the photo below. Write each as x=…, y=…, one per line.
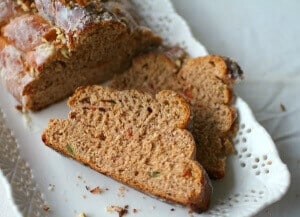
x=264, y=37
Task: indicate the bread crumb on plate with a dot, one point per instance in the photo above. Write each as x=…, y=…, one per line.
x=122, y=211
x=46, y=208
x=82, y=215
x=96, y=190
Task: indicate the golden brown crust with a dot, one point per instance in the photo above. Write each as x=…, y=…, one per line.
x=203, y=200
x=54, y=50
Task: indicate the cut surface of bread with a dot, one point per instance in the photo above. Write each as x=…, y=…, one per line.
x=206, y=83
x=135, y=138
x=51, y=47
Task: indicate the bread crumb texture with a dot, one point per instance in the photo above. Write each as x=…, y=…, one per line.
x=135, y=138
x=120, y=210
x=206, y=83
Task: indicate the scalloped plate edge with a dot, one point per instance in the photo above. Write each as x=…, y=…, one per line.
x=285, y=178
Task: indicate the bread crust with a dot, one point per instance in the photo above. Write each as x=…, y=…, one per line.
x=55, y=50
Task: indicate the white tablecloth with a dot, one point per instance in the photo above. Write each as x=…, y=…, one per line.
x=264, y=37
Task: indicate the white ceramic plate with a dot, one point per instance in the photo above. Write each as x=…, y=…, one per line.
x=38, y=175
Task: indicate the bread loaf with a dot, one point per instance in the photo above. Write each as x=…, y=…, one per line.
x=135, y=138
x=206, y=83
x=50, y=47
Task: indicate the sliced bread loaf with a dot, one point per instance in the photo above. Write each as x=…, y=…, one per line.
x=135, y=138
x=206, y=83
x=51, y=47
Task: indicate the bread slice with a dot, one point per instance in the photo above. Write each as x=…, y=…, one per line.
x=206, y=83
x=51, y=47
x=135, y=138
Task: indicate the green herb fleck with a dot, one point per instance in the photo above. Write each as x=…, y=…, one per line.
x=70, y=149
x=154, y=174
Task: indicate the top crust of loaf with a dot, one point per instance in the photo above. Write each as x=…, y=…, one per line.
x=135, y=138
x=77, y=18
x=57, y=42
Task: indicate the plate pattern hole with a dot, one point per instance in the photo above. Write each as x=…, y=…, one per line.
x=259, y=164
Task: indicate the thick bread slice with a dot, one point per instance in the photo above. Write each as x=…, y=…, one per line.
x=206, y=83
x=135, y=138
